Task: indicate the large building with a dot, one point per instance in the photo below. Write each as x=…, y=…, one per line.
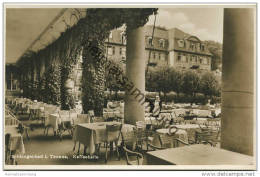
x=171, y=47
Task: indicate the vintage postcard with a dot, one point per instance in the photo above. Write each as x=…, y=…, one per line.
x=129, y=87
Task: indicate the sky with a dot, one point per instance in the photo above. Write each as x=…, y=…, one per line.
x=205, y=23
x=23, y=26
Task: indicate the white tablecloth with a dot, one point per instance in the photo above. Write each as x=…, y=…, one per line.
x=16, y=139
x=53, y=120
x=180, y=134
x=90, y=134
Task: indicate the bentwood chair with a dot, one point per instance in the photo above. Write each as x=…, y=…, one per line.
x=65, y=123
x=23, y=129
x=112, y=136
x=207, y=137
x=7, y=148
x=91, y=115
x=81, y=118
x=138, y=157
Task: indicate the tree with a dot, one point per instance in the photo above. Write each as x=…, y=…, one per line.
x=215, y=48
x=210, y=85
x=191, y=83
x=162, y=77
x=176, y=80
x=151, y=84
x=112, y=80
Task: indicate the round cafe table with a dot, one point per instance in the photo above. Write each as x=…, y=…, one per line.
x=190, y=129
x=180, y=134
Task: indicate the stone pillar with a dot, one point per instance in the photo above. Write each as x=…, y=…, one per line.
x=238, y=92
x=135, y=72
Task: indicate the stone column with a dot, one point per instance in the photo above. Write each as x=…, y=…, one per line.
x=135, y=73
x=238, y=92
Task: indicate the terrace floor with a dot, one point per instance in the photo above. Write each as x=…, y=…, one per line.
x=39, y=144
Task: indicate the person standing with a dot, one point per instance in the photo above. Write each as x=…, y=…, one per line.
x=157, y=106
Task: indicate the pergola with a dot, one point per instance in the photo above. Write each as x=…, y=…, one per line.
x=238, y=91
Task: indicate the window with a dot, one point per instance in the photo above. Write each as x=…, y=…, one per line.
x=123, y=52
x=109, y=50
x=159, y=56
x=191, y=46
x=154, y=55
x=162, y=43
x=114, y=50
x=183, y=58
x=196, y=59
x=179, y=57
x=180, y=43
x=163, y=56
x=202, y=47
x=200, y=60
x=187, y=59
x=150, y=41
x=120, y=51
x=208, y=61
x=205, y=61
x=110, y=35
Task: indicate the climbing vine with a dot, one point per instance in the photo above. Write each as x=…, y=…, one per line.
x=97, y=26
x=88, y=35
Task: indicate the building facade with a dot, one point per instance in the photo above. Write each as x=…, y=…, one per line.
x=171, y=47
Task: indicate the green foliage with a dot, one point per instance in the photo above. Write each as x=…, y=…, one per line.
x=167, y=79
x=112, y=80
x=191, y=83
x=89, y=33
x=93, y=79
x=215, y=48
x=209, y=84
x=96, y=27
x=176, y=80
x=163, y=77
x=51, y=83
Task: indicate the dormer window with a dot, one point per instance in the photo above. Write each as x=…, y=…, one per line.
x=162, y=43
x=150, y=41
x=192, y=46
x=123, y=37
x=202, y=47
x=181, y=43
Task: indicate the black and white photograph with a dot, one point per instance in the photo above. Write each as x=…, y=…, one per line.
x=154, y=87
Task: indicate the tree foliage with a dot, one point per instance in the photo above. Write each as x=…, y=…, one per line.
x=191, y=83
x=209, y=84
x=215, y=48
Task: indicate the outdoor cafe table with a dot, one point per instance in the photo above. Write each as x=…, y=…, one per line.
x=190, y=129
x=53, y=120
x=198, y=154
x=16, y=139
x=180, y=134
x=90, y=134
x=111, y=114
x=34, y=110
